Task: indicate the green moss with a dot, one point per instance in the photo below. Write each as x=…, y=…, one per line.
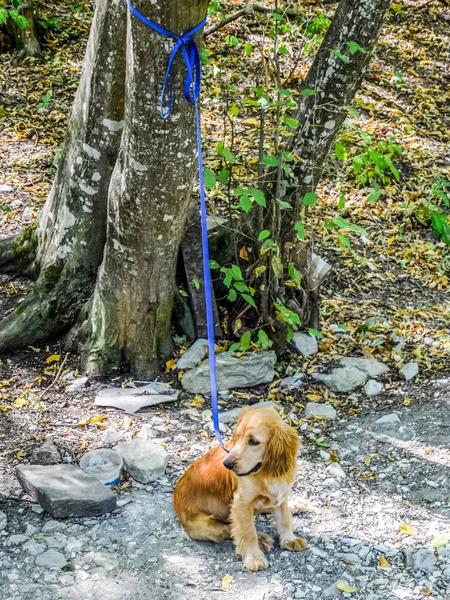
x=25, y=245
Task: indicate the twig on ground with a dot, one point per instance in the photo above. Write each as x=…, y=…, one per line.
x=57, y=376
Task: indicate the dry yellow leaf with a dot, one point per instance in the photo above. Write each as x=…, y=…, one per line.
x=383, y=562
x=408, y=529
x=428, y=450
x=406, y=401
x=53, y=358
x=344, y=587
x=98, y=419
x=243, y=253
x=226, y=581
x=84, y=444
x=196, y=402
x=19, y=453
x=170, y=365
x=84, y=422
x=367, y=460
x=20, y=402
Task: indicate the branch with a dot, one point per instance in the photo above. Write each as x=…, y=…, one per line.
x=252, y=8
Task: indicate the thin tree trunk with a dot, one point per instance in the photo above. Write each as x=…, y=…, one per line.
x=27, y=43
x=129, y=325
x=67, y=246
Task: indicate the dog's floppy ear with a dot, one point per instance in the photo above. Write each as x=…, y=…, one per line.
x=281, y=451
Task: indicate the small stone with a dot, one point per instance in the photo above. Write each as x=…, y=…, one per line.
x=53, y=527
x=77, y=385
x=110, y=436
x=421, y=560
x=66, y=491
x=70, y=376
x=222, y=427
x=5, y=189
x=37, y=509
x=335, y=470
x=250, y=369
x=14, y=540
x=146, y=432
x=409, y=371
x=229, y=416
x=348, y=557
x=3, y=520
x=305, y=344
x=34, y=548
x=28, y=214
x=66, y=579
x=294, y=383
x=193, y=355
x=325, y=411
x=47, y=454
x=299, y=594
x=51, y=559
x=15, y=204
x=105, y=559
x=391, y=419
x=143, y=460
x=373, y=388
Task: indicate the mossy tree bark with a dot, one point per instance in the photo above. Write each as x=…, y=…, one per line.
x=66, y=248
x=129, y=323
x=27, y=42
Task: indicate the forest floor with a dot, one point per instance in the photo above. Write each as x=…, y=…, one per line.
x=388, y=291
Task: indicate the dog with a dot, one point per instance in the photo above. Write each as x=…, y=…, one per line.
x=217, y=497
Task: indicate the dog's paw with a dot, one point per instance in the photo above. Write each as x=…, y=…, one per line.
x=265, y=542
x=255, y=563
x=297, y=506
x=294, y=545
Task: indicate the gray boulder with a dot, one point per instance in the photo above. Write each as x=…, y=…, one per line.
x=324, y=411
x=421, y=560
x=294, y=382
x=245, y=371
x=193, y=355
x=143, y=460
x=372, y=367
x=345, y=379
x=47, y=454
x=305, y=344
x=65, y=490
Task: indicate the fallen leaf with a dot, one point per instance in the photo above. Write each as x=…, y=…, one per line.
x=441, y=540
x=243, y=253
x=5, y=408
x=406, y=401
x=170, y=365
x=226, y=581
x=408, y=529
x=98, y=419
x=367, y=460
x=344, y=587
x=53, y=358
x=83, y=423
x=20, y=402
x=383, y=562
x=428, y=451
x=196, y=402
x=34, y=349
x=84, y=444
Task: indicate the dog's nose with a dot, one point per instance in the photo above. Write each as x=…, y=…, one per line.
x=228, y=463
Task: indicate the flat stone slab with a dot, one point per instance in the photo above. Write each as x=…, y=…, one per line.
x=372, y=367
x=65, y=490
x=305, y=344
x=133, y=399
x=323, y=411
x=344, y=379
x=143, y=460
x=229, y=416
x=244, y=371
x=194, y=354
x=51, y=559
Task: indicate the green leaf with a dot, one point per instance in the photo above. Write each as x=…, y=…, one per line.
x=290, y=334
x=228, y=155
x=4, y=16
x=241, y=286
x=245, y=203
x=264, y=235
x=322, y=443
x=344, y=240
x=205, y=56
x=196, y=282
x=315, y=333
x=340, y=56
x=340, y=151
x=277, y=16
x=240, y=191
x=219, y=148
x=358, y=164
x=263, y=340
x=210, y=179
x=300, y=229
x=248, y=49
x=373, y=197
x=214, y=264
x=441, y=540
x=283, y=50
x=309, y=198
x=284, y=204
x=307, y=92
x=354, y=47
x=270, y=161
x=224, y=176
x=352, y=112
x=18, y=19
x=233, y=110
x=232, y=295
x=249, y=299
x=290, y=122
x=258, y=196
x=245, y=341
x=341, y=202
x=344, y=224
x=236, y=272
x=234, y=347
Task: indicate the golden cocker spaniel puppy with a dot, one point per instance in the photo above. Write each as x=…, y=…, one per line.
x=218, y=496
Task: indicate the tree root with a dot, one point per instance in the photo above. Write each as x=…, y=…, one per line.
x=17, y=252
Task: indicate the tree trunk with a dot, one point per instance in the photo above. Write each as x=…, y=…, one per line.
x=129, y=323
x=27, y=43
x=66, y=248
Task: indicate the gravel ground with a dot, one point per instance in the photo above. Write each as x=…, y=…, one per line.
x=370, y=519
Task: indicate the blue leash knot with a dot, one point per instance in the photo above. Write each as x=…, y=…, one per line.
x=191, y=57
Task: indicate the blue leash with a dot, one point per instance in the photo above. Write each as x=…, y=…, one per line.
x=191, y=58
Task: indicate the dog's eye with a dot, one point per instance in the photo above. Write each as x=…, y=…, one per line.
x=253, y=442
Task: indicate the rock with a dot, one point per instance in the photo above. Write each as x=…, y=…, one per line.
x=421, y=560
x=373, y=388
x=143, y=460
x=104, y=559
x=348, y=557
x=146, y=432
x=51, y=559
x=17, y=539
x=249, y=370
x=66, y=579
x=68, y=376
x=33, y=548
x=53, y=527
x=133, y=399
x=65, y=490
x=372, y=367
x=193, y=355
x=5, y=189
x=294, y=383
x=335, y=470
x=325, y=411
x=3, y=520
x=409, y=371
x=391, y=419
x=229, y=416
x=47, y=454
x=345, y=379
x=111, y=436
x=77, y=385
x=222, y=427
x=16, y=204
x=305, y=344
x=28, y=215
